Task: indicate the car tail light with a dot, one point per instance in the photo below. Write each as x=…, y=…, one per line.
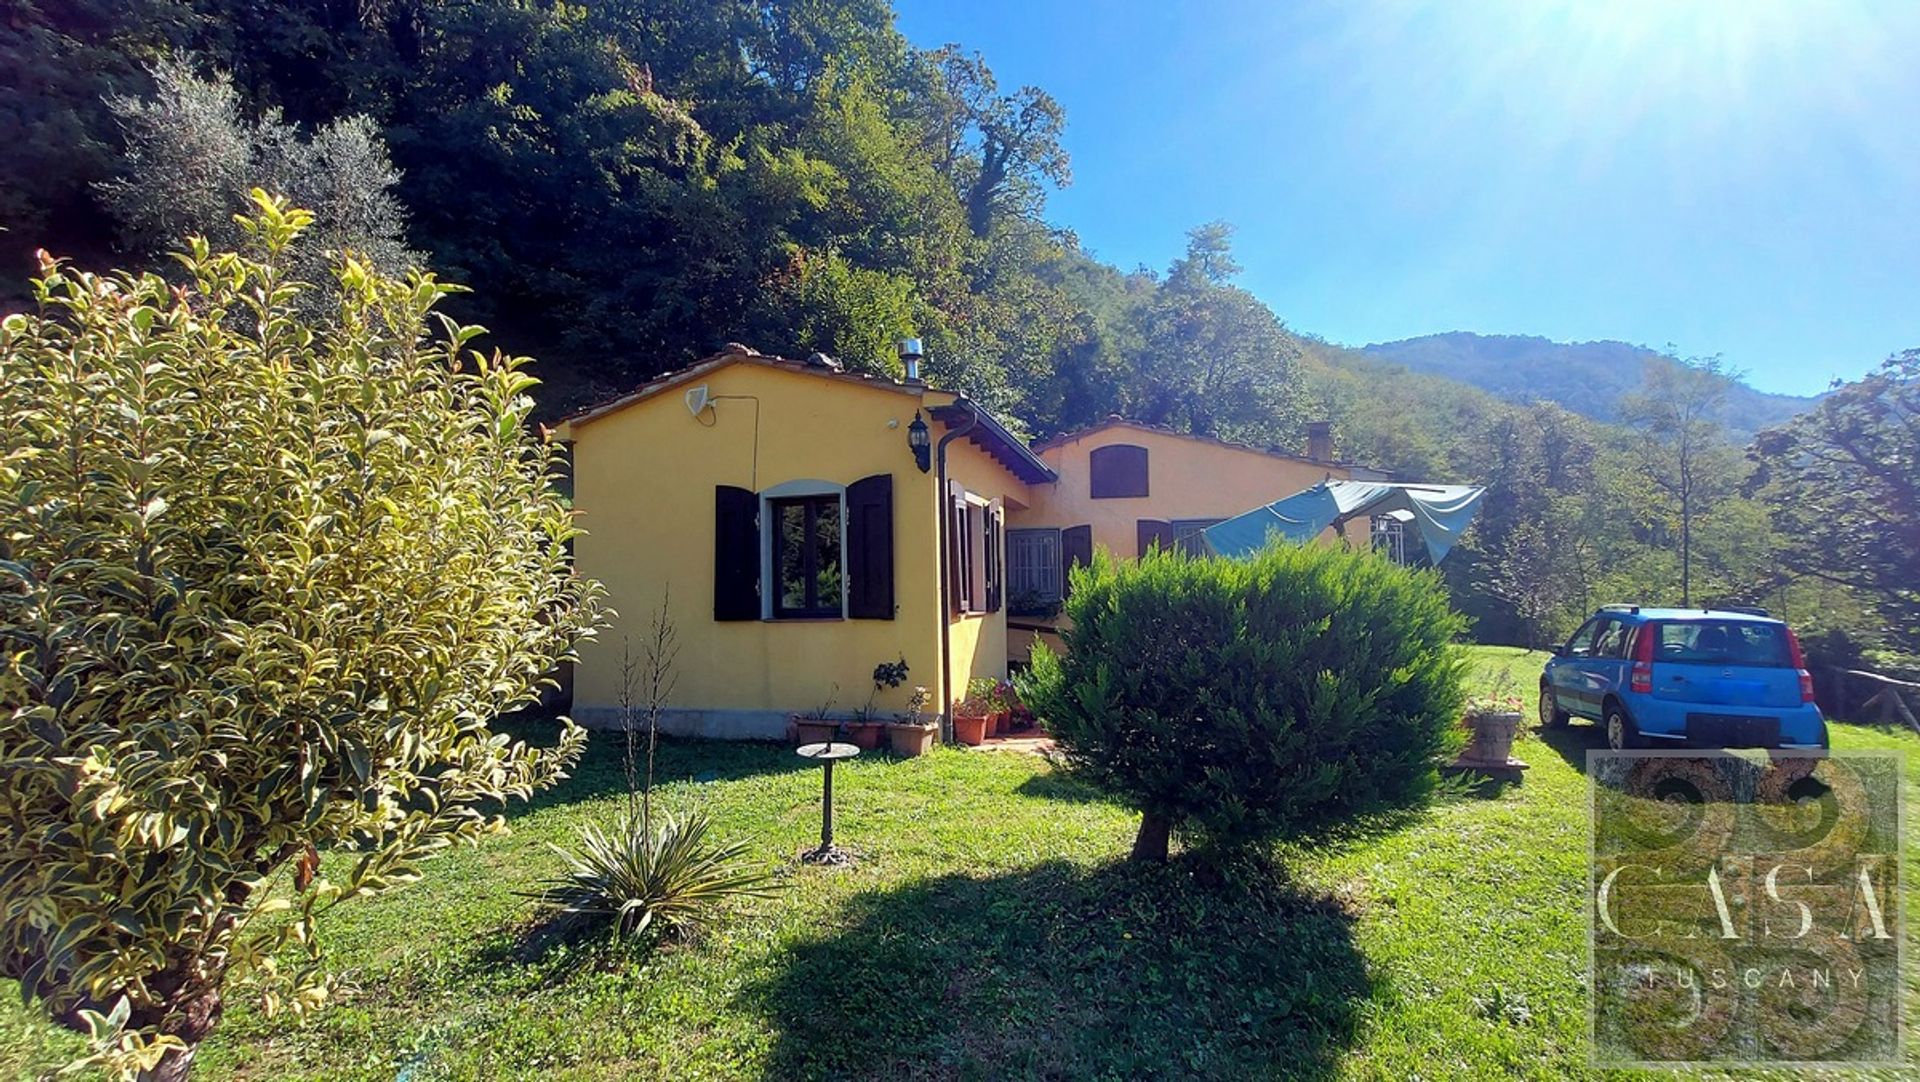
x=1642, y=678
x=1799, y=659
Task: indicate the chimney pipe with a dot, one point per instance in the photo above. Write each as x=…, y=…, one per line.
x=910, y=357
x=1320, y=441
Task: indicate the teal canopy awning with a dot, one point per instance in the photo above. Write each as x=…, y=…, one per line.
x=1440, y=512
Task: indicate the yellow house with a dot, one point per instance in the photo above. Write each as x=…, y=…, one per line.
x=1126, y=486
x=804, y=524
x=801, y=536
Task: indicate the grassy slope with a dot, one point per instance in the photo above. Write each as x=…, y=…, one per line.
x=988, y=931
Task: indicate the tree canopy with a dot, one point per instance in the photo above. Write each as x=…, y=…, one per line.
x=625, y=186
x=1843, y=486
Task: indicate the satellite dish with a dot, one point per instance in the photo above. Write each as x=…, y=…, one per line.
x=697, y=399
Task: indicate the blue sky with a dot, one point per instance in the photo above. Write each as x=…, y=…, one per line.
x=1733, y=177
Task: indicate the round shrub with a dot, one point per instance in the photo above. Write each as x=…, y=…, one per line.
x=1242, y=700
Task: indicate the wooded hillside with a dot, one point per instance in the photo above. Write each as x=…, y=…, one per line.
x=625, y=185
x=1590, y=378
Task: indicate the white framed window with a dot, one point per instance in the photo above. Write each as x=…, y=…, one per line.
x=977, y=556
x=974, y=566
x=1033, y=567
x=803, y=551
x=1390, y=538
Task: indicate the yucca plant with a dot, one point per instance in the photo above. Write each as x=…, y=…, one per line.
x=667, y=883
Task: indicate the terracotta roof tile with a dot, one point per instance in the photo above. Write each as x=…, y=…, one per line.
x=1117, y=421
x=991, y=435
x=665, y=380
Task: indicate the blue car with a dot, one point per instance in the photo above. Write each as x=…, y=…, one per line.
x=1717, y=678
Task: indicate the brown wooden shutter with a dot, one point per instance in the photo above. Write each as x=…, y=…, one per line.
x=870, y=548
x=736, y=554
x=1152, y=531
x=1076, y=550
x=1117, y=471
x=996, y=568
x=957, y=578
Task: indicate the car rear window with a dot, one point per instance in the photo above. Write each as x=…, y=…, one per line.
x=1722, y=642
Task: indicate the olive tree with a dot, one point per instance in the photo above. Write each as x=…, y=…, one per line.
x=264, y=584
x=192, y=154
x=1241, y=700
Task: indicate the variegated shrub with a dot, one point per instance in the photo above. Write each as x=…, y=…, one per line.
x=264, y=583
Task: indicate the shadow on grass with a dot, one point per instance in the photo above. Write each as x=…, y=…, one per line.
x=1462, y=783
x=677, y=760
x=1056, y=785
x=541, y=954
x=1060, y=971
x=1572, y=742
x=548, y=950
x=1358, y=830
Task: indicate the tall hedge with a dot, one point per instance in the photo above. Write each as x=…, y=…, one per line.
x=1241, y=700
x=265, y=582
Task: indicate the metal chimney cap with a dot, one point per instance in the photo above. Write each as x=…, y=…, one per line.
x=910, y=347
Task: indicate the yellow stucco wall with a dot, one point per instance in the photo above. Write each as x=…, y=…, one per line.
x=1186, y=479
x=644, y=478
x=979, y=641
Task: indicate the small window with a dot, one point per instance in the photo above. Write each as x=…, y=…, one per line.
x=974, y=563
x=1390, y=538
x=1033, y=569
x=1118, y=471
x=1581, y=644
x=1186, y=534
x=806, y=556
x=978, y=558
x=1723, y=642
x=1612, y=641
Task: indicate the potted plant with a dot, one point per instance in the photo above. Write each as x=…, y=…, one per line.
x=1007, y=709
x=1020, y=718
x=815, y=726
x=971, y=718
x=986, y=690
x=1494, y=719
x=866, y=729
x=912, y=734
x=863, y=730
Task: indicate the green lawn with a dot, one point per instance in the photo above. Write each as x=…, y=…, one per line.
x=989, y=930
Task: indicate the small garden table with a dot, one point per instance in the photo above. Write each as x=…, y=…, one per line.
x=827, y=754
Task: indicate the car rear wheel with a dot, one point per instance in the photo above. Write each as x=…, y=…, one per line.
x=1622, y=734
x=1551, y=716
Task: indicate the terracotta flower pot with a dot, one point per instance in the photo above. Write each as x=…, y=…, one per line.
x=813, y=730
x=1492, y=737
x=866, y=735
x=1002, y=722
x=971, y=731
x=911, y=738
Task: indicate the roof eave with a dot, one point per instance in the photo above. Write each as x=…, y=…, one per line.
x=1002, y=446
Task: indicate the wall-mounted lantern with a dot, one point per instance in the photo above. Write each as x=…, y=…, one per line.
x=918, y=440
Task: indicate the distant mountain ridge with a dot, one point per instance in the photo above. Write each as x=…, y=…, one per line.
x=1589, y=378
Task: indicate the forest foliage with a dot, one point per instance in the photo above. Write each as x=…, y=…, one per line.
x=626, y=185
